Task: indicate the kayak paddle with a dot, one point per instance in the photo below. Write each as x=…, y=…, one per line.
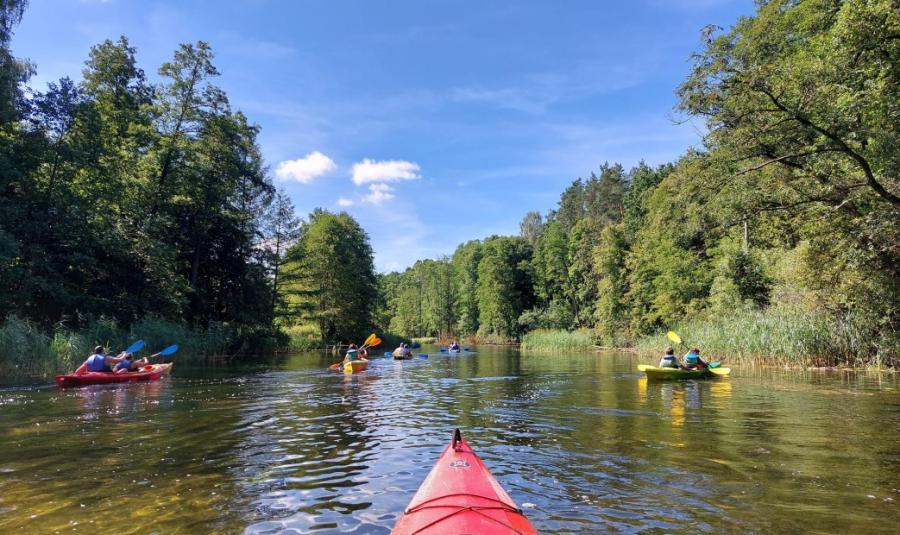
x=165, y=352
x=135, y=347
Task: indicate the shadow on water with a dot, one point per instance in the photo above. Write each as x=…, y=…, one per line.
x=582, y=442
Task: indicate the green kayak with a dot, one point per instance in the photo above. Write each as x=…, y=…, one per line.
x=665, y=374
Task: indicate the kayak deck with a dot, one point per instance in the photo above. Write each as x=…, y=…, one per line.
x=355, y=366
x=460, y=495
x=151, y=372
x=664, y=374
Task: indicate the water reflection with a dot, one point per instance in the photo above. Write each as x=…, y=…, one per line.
x=582, y=442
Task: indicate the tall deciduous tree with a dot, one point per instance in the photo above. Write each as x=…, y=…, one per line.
x=330, y=277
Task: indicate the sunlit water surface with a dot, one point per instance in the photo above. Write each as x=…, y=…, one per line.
x=582, y=443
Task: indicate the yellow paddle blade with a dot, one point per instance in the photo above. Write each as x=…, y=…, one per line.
x=369, y=339
x=643, y=367
x=720, y=371
x=674, y=337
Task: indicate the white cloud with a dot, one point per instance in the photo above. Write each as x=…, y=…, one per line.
x=378, y=194
x=384, y=171
x=305, y=169
x=343, y=201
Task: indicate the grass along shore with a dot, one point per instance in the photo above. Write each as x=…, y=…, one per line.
x=786, y=338
x=558, y=340
x=28, y=350
x=781, y=337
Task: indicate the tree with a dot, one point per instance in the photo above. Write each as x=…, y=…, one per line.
x=280, y=231
x=465, y=263
x=330, y=277
x=810, y=87
x=504, y=285
x=604, y=195
x=531, y=227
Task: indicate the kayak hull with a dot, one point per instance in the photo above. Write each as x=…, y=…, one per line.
x=155, y=371
x=461, y=496
x=672, y=374
x=402, y=357
x=355, y=366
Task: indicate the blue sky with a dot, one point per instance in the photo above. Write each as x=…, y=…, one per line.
x=432, y=122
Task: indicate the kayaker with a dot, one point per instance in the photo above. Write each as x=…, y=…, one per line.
x=99, y=361
x=402, y=350
x=352, y=354
x=692, y=360
x=454, y=346
x=669, y=360
x=129, y=364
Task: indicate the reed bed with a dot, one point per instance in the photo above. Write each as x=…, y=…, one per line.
x=558, y=340
x=30, y=350
x=788, y=338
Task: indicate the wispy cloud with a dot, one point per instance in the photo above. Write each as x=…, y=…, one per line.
x=384, y=171
x=379, y=194
x=343, y=201
x=305, y=169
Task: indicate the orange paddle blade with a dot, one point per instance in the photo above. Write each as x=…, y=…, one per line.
x=370, y=339
x=376, y=342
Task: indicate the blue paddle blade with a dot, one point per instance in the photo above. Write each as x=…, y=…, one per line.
x=169, y=350
x=423, y=355
x=465, y=349
x=135, y=347
x=443, y=350
x=387, y=353
x=715, y=364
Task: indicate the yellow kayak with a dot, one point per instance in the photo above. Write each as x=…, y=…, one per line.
x=665, y=374
x=356, y=366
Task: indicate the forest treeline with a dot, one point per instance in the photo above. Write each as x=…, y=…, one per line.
x=122, y=199
x=145, y=206
x=781, y=230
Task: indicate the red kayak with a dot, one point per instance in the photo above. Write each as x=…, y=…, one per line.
x=461, y=496
x=150, y=372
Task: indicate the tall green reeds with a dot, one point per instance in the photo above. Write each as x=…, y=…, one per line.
x=783, y=337
x=28, y=350
x=558, y=340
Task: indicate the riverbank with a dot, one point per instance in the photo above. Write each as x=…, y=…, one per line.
x=785, y=338
x=29, y=350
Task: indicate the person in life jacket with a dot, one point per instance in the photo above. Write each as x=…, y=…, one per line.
x=669, y=360
x=99, y=361
x=352, y=354
x=454, y=346
x=129, y=364
x=692, y=360
x=402, y=351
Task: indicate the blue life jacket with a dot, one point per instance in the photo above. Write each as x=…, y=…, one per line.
x=124, y=365
x=692, y=358
x=97, y=363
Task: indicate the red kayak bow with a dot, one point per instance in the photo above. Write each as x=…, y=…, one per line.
x=461, y=496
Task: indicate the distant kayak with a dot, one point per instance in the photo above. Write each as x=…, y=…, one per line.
x=664, y=374
x=461, y=496
x=150, y=372
x=400, y=354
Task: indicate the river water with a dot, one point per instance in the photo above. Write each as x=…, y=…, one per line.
x=580, y=441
